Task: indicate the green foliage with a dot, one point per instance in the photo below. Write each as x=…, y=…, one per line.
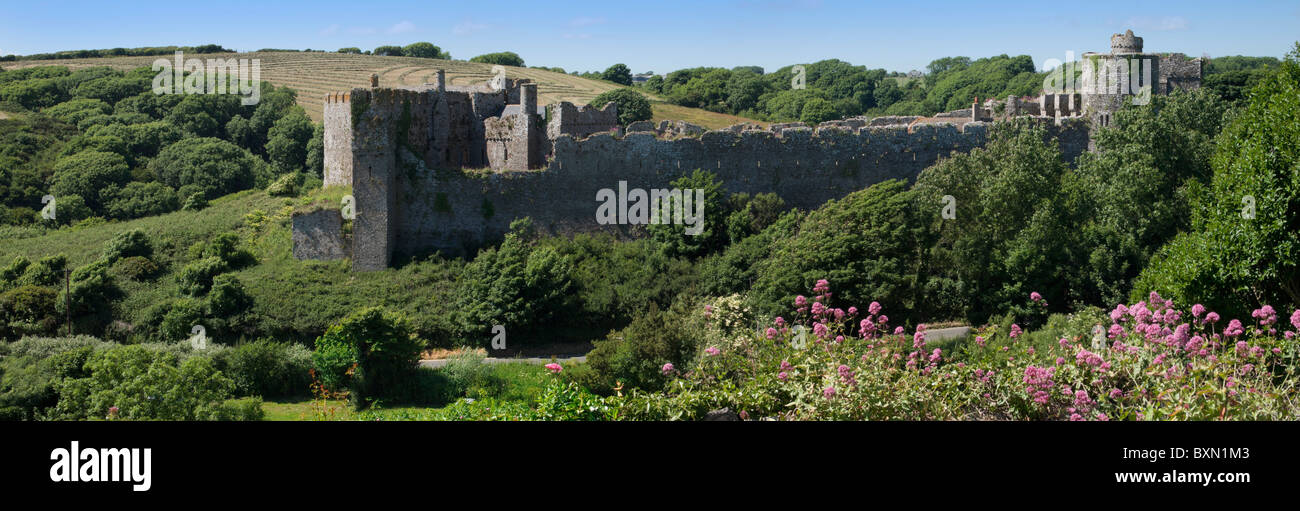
x=1232, y=259
x=216, y=166
x=138, y=199
x=137, y=268
x=371, y=353
x=632, y=105
x=128, y=243
x=196, y=278
x=504, y=58
x=268, y=369
x=519, y=285
x=865, y=244
x=286, y=185
x=389, y=51
x=617, y=73
x=286, y=146
x=88, y=174
x=634, y=356
x=712, y=228
x=145, y=385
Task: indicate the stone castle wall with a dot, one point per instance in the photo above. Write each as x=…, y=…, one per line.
x=457, y=212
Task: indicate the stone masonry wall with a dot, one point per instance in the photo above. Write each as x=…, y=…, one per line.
x=338, y=139
x=318, y=235
x=456, y=213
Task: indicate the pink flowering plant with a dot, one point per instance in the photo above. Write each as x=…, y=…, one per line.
x=1146, y=361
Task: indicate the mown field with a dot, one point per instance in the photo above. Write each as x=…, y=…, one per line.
x=315, y=74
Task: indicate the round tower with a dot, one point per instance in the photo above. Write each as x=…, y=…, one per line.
x=1111, y=79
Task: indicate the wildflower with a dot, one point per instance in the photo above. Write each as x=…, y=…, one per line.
x=1115, y=331
x=839, y=338
x=820, y=330
x=1035, y=296
x=800, y=301
x=771, y=333
x=882, y=319
x=779, y=321
x=712, y=351
x=1060, y=360
x=1266, y=315
x=853, y=311
x=818, y=309
x=668, y=368
x=708, y=310
x=554, y=367
x=1102, y=417
x=1197, y=310
x=785, y=365
x=936, y=355
x=1212, y=317
x=822, y=286
x=898, y=331
x=1295, y=319
x=1015, y=330
x=782, y=376
x=829, y=392
x=874, y=309
x=866, y=327
x=1116, y=393
x=979, y=341
x=1234, y=329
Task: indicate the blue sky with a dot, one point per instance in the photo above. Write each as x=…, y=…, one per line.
x=667, y=35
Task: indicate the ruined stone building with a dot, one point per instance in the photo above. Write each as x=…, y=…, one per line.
x=439, y=168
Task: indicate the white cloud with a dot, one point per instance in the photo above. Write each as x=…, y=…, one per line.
x=584, y=21
x=469, y=27
x=402, y=27
x=1159, y=25
x=330, y=30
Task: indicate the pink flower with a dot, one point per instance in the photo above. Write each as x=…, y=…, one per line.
x=771, y=333
x=1212, y=317
x=874, y=309
x=782, y=376
x=853, y=311
x=1234, y=329
x=668, y=368
x=1035, y=296
x=1015, y=331
x=979, y=341
x=554, y=367
x=829, y=392
x=1266, y=315
x=800, y=301
x=712, y=351
x=1197, y=310
x=1295, y=319
x=779, y=321
x=882, y=319
x=898, y=330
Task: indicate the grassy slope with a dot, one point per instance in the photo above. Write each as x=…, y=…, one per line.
x=315, y=74
x=295, y=299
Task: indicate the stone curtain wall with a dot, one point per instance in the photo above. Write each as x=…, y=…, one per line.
x=338, y=139
x=318, y=235
x=456, y=212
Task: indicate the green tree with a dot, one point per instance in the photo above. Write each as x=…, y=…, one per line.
x=632, y=105
x=371, y=352
x=287, y=141
x=504, y=58
x=518, y=285
x=87, y=174
x=214, y=165
x=618, y=73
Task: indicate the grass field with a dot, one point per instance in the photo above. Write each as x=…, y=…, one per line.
x=313, y=74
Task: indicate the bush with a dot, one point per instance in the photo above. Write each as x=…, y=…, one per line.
x=138, y=268
x=518, y=285
x=634, y=357
x=196, y=278
x=372, y=354
x=268, y=369
x=139, y=384
x=88, y=174
x=632, y=105
x=217, y=167
x=504, y=58
x=132, y=243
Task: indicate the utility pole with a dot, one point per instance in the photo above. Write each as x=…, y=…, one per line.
x=67, y=296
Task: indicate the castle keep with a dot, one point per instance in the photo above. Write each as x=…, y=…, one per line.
x=445, y=168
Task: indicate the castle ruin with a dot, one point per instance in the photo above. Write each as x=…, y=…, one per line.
x=440, y=168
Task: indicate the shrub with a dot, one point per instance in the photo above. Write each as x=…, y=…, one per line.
x=268, y=369
x=137, y=268
x=634, y=357
x=88, y=174
x=504, y=58
x=217, y=167
x=134, y=383
x=632, y=105
x=371, y=353
x=228, y=297
x=196, y=278
x=132, y=243
x=518, y=285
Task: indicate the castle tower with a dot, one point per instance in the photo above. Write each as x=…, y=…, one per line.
x=1125, y=74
